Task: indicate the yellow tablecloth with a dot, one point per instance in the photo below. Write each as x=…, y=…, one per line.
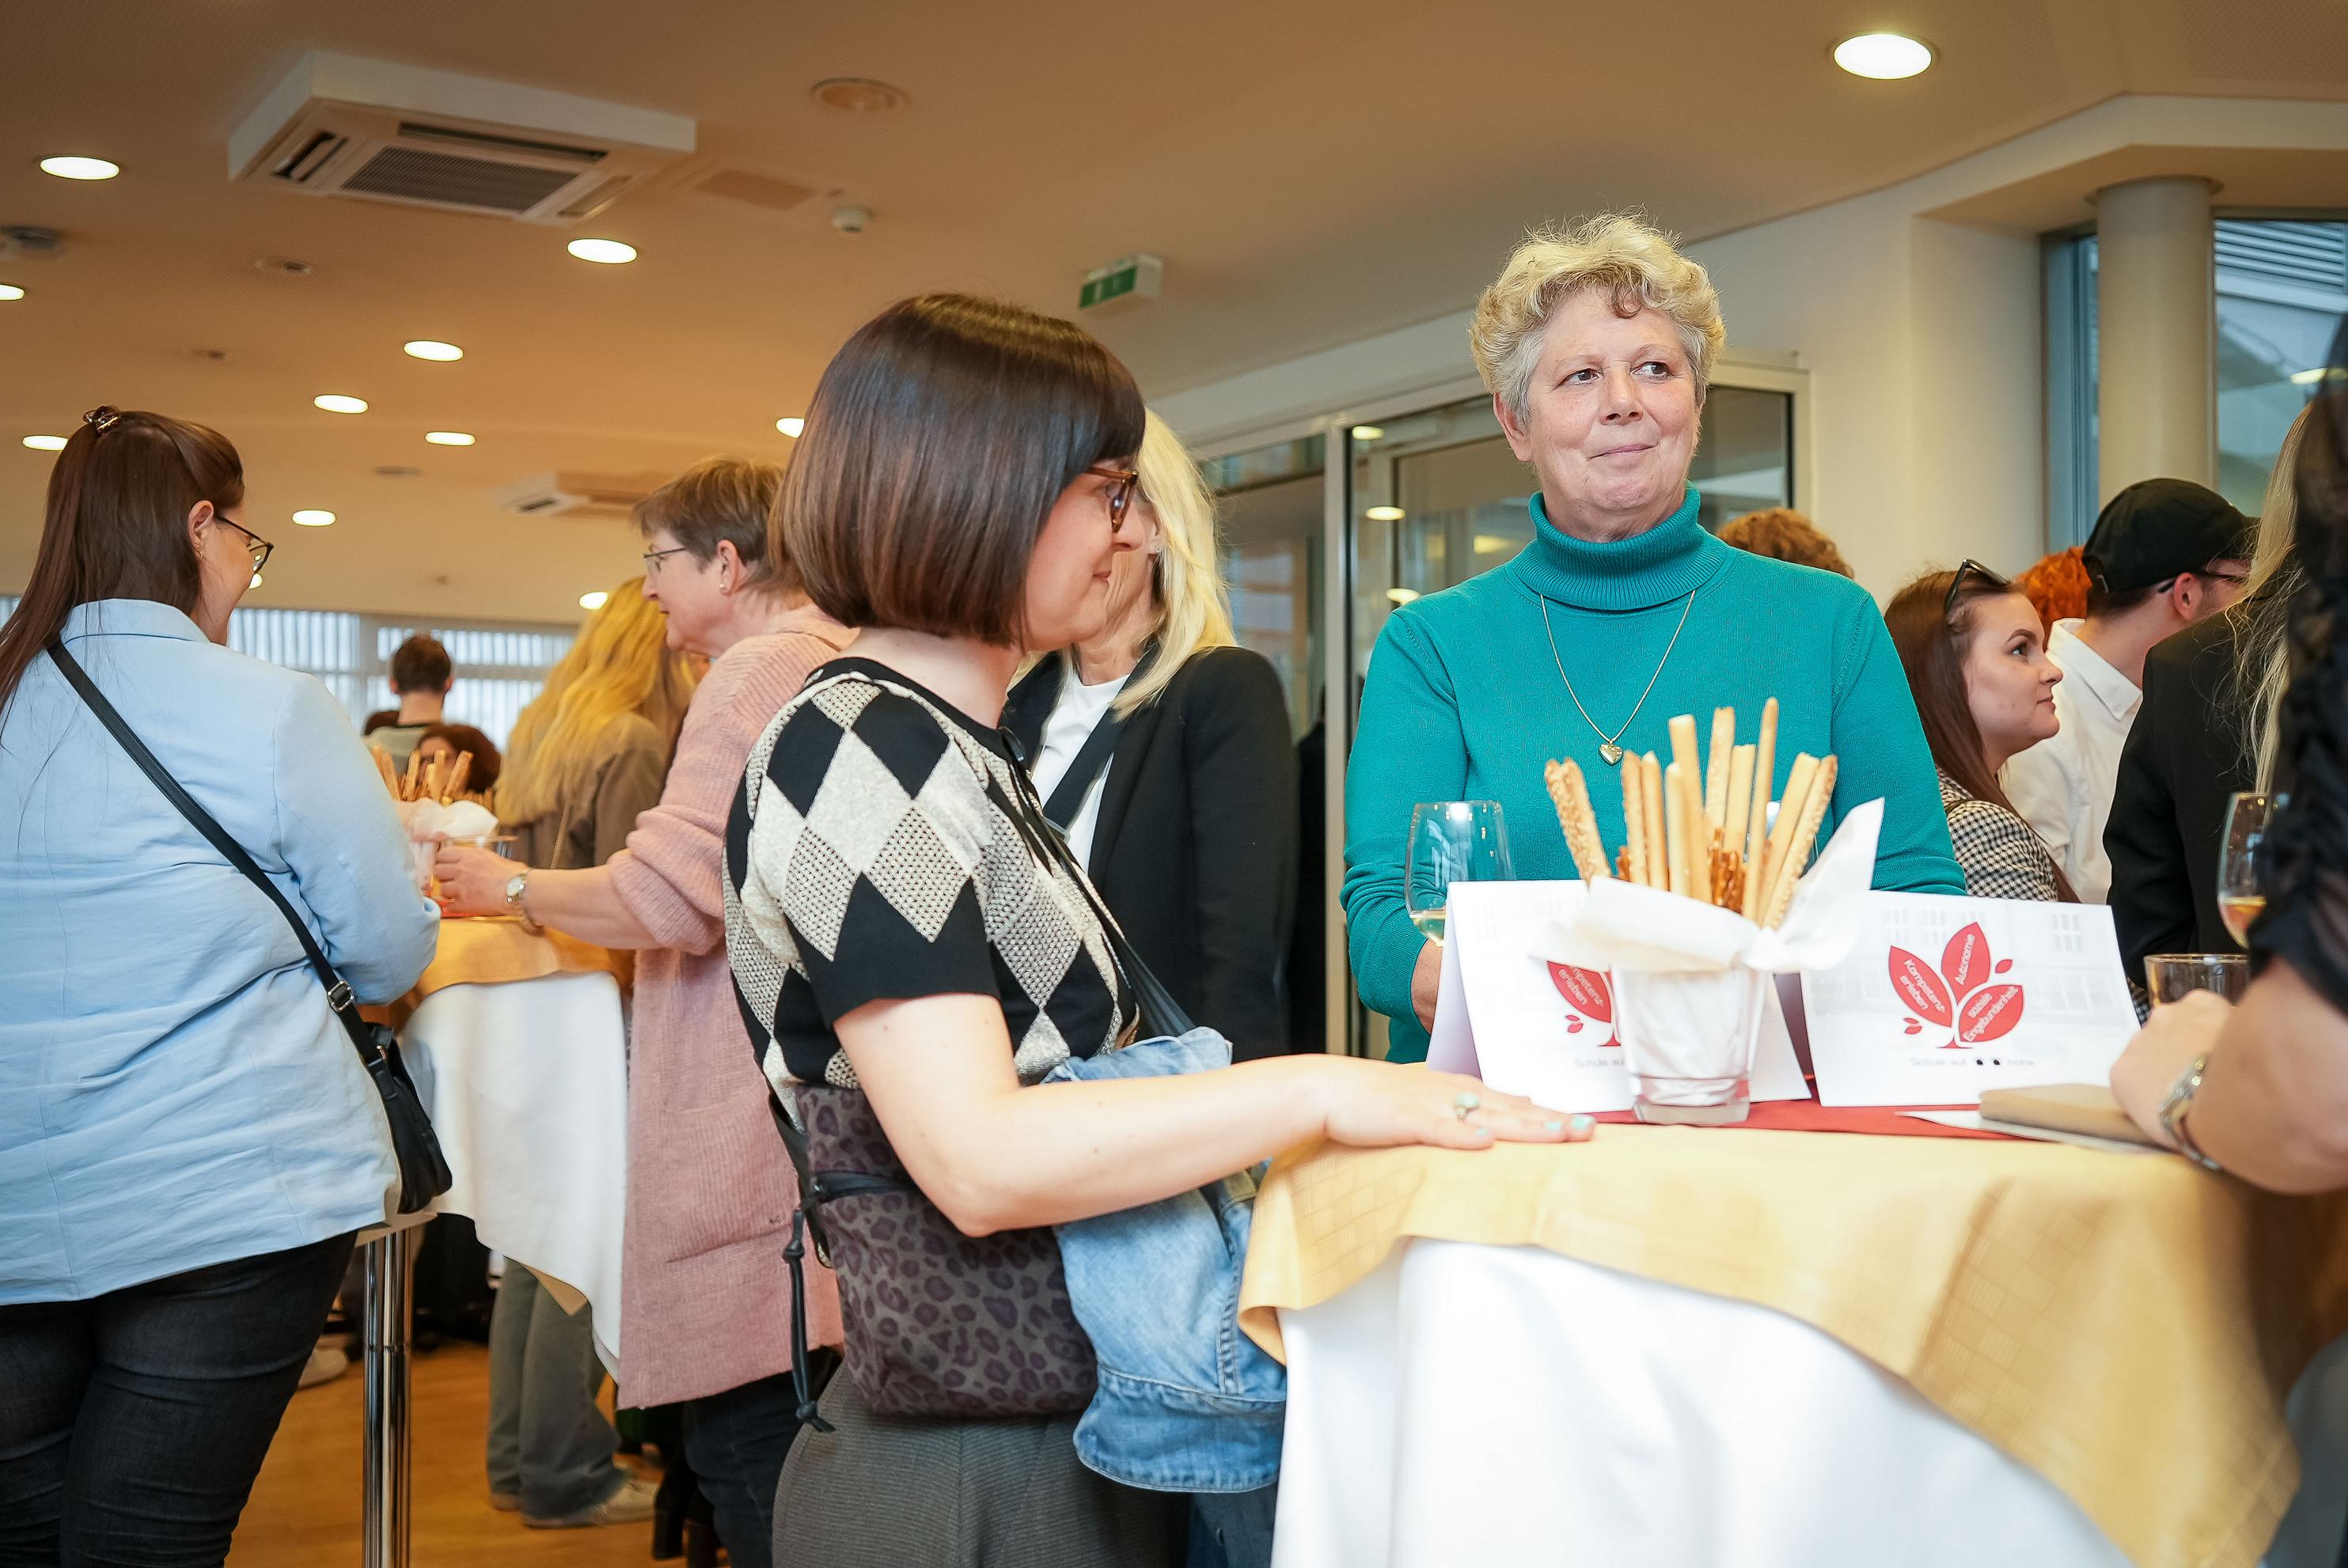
x=2127, y=1326
x=486, y=951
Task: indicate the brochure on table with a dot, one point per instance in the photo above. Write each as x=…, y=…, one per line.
x=1944, y=997
x=1544, y=1030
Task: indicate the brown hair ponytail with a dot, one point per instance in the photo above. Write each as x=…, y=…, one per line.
x=116, y=525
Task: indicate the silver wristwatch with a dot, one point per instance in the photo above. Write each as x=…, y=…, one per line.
x=2173, y=1109
x=517, y=886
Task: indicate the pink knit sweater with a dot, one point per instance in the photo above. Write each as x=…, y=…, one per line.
x=705, y=1296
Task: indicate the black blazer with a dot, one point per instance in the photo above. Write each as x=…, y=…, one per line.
x=2183, y=757
x=1195, y=850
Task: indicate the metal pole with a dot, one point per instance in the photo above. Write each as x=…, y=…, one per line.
x=390, y=1263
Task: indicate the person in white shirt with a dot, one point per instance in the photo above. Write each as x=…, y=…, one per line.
x=2165, y=553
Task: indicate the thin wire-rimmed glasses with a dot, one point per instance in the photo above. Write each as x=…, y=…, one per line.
x=1965, y=567
x=1120, y=492
x=254, y=542
x=652, y=558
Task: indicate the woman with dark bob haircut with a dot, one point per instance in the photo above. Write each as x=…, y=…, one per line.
x=896, y=927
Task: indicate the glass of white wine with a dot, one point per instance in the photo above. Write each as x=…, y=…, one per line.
x=2241, y=868
x=1451, y=841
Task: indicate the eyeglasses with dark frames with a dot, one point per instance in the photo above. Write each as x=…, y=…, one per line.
x=652, y=558
x=259, y=547
x=1120, y=492
x=1970, y=567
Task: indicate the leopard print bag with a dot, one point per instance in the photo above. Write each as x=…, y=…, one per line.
x=937, y=1323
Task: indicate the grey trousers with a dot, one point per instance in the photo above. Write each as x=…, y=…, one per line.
x=885, y=1492
x=549, y=1442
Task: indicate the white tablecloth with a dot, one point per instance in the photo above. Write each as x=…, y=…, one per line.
x=1498, y=1405
x=527, y=1084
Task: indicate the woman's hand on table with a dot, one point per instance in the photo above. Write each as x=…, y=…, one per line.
x=473, y=880
x=1379, y=1104
x=2161, y=1052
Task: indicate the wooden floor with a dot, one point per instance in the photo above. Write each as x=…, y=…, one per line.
x=305, y=1511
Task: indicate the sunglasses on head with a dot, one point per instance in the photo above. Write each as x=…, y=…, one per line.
x=1970, y=567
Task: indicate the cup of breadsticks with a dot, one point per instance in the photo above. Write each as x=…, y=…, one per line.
x=1704, y=899
x=434, y=807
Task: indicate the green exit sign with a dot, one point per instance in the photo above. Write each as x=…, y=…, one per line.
x=1122, y=281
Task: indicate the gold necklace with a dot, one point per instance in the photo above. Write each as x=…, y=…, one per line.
x=1608, y=745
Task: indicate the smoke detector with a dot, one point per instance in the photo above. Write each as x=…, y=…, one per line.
x=375, y=132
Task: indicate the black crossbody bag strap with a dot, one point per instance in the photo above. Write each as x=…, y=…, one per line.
x=1068, y=795
x=424, y=1172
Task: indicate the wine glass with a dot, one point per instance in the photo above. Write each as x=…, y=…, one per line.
x=2241, y=866
x=1451, y=841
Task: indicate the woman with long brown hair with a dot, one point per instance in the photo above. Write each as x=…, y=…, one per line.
x=188, y=1142
x=1975, y=653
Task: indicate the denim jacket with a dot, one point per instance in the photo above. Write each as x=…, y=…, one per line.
x=1186, y=1401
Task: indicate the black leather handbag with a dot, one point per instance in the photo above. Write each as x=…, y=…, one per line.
x=423, y=1169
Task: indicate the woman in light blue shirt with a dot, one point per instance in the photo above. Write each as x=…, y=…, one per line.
x=187, y=1140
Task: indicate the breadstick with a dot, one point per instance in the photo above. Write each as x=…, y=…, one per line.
x=1765, y=779
x=1683, y=750
x=458, y=774
x=1715, y=762
x=1781, y=837
x=1699, y=838
x=1569, y=793
x=1675, y=833
x=1805, y=839
x=1740, y=801
x=1623, y=864
x=1635, y=819
x=1650, y=798
x=415, y=772
x=382, y=766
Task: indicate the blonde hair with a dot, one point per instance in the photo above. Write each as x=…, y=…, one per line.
x=1636, y=264
x=619, y=665
x=2261, y=619
x=1186, y=582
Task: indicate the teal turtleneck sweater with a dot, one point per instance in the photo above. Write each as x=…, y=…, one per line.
x=1462, y=702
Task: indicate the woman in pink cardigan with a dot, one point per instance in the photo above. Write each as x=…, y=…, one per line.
x=705, y=1296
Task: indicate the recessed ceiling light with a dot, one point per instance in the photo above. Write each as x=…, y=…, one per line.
x=857, y=95
x=1369, y=433
x=425, y=348
x=791, y=427
x=1401, y=595
x=46, y=443
x=1384, y=514
x=447, y=438
x=336, y=402
x=609, y=252
x=594, y=601
x=11, y=291
x=1883, y=57
x=313, y=517
x=80, y=167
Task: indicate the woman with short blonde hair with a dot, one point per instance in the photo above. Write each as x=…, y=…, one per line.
x=1598, y=341
x=1165, y=752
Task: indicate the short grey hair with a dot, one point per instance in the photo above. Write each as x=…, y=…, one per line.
x=1638, y=265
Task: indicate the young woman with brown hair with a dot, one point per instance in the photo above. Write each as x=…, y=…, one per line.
x=188, y=1141
x=897, y=925
x=1975, y=654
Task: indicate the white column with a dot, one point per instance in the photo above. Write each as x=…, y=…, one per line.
x=2156, y=364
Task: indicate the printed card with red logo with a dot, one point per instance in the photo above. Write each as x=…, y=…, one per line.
x=1543, y=1030
x=1944, y=997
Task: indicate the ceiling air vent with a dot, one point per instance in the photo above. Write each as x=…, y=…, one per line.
x=570, y=495
x=375, y=132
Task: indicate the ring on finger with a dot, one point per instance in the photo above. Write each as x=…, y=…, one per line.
x=1462, y=1104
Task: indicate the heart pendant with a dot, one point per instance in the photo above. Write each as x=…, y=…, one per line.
x=1611, y=752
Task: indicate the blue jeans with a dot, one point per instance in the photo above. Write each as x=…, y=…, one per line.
x=549, y=1443
x=132, y=1424
x=736, y=1443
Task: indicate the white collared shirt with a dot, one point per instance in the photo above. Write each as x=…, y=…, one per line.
x=2063, y=787
x=1073, y=713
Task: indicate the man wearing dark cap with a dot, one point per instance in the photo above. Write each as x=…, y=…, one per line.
x=2165, y=553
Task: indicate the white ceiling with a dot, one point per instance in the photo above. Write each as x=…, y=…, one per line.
x=1312, y=172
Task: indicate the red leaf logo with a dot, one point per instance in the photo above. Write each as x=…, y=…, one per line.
x=1914, y=1027
x=1573, y=1025
x=1989, y=1014
x=1585, y=990
x=1918, y=987
x=2004, y=965
x=1965, y=960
